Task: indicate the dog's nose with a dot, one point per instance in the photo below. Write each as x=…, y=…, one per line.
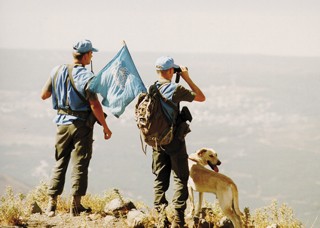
x=219, y=162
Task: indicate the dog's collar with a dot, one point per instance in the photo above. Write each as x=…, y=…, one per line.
x=194, y=160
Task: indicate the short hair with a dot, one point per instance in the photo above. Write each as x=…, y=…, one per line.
x=162, y=71
x=77, y=55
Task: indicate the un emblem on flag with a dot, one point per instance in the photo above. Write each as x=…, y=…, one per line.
x=120, y=73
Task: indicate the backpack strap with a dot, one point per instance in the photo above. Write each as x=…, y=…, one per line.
x=154, y=89
x=80, y=114
x=143, y=145
x=70, y=68
x=54, y=83
x=164, y=99
x=70, y=78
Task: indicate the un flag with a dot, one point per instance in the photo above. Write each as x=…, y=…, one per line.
x=118, y=82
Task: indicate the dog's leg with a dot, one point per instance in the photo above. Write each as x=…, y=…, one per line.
x=226, y=204
x=236, y=200
x=235, y=219
x=191, y=200
x=199, y=203
x=235, y=205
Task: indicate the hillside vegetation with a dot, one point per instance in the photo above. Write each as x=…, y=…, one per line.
x=17, y=209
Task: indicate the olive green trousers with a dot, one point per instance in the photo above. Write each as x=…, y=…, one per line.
x=73, y=142
x=171, y=158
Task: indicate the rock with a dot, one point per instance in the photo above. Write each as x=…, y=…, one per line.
x=225, y=223
x=118, y=207
x=35, y=208
x=204, y=212
x=94, y=217
x=136, y=219
x=202, y=223
x=110, y=221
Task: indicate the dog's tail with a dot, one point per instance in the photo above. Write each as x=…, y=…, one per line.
x=236, y=200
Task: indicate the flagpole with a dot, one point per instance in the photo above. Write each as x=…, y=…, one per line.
x=91, y=67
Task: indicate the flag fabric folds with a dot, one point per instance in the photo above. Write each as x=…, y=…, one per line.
x=118, y=82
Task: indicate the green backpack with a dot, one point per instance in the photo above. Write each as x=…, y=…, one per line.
x=155, y=127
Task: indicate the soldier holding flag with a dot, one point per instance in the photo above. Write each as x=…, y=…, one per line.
x=68, y=86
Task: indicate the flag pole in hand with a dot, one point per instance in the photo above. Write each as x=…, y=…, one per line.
x=91, y=68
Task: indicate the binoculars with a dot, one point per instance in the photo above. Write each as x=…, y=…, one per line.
x=177, y=71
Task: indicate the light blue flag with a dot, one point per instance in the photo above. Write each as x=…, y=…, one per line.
x=118, y=82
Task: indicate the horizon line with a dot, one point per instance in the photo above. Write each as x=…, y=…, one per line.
x=175, y=52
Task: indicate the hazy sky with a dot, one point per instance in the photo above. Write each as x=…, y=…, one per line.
x=277, y=27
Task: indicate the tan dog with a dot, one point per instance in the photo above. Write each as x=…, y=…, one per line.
x=204, y=180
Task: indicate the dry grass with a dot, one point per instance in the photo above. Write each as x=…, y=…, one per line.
x=12, y=208
x=281, y=215
x=15, y=210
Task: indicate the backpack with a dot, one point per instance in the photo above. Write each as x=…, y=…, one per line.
x=155, y=127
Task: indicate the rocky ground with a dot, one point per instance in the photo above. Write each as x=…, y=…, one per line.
x=118, y=213
x=65, y=220
x=62, y=220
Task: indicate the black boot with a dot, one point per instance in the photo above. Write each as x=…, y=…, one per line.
x=76, y=207
x=52, y=206
x=178, y=220
x=163, y=221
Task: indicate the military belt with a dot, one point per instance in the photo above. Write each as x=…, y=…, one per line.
x=80, y=114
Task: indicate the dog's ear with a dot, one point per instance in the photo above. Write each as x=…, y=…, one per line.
x=201, y=152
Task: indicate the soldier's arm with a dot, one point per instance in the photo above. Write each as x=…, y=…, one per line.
x=47, y=89
x=199, y=96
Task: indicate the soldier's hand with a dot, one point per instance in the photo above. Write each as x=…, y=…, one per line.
x=107, y=133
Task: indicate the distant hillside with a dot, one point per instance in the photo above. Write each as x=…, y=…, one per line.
x=6, y=180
